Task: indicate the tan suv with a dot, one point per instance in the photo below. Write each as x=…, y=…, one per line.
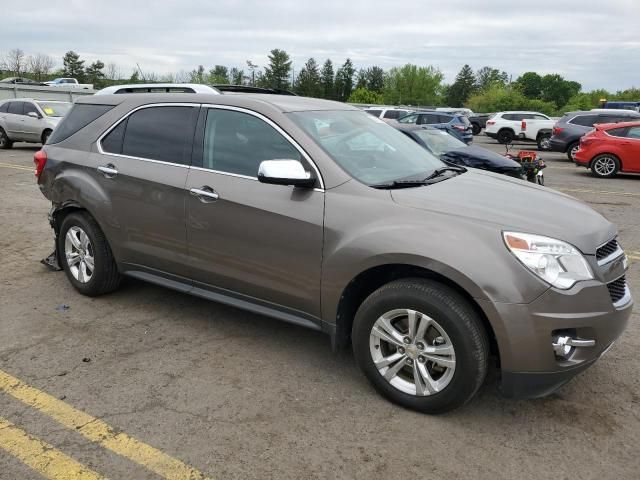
x=318, y=214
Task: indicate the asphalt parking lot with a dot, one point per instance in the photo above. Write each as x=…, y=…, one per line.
x=150, y=383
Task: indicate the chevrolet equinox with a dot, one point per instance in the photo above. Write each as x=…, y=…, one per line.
x=319, y=214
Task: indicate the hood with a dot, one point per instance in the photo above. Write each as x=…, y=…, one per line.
x=478, y=157
x=512, y=204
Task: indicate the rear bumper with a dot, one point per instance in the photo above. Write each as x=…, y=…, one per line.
x=557, y=145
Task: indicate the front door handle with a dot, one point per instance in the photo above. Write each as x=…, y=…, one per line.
x=205, y=194
x=109, y=170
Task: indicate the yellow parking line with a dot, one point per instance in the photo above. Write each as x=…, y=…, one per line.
x=600, y=192
x=98, y=431
x=41, y=456
x=16, y=167
x=634, y=257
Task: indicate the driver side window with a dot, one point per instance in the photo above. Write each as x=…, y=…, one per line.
x=237, y=142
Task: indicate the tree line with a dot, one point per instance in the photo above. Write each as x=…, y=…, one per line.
x=487, y=89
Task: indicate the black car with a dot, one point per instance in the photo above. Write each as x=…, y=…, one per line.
x=568, y=130
x=478, y=122
x=451, y=150
x=22, y=81
x=456, y=124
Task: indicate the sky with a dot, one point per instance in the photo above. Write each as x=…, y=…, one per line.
x=594, y=42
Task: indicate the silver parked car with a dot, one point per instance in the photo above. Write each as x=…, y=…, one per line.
x=27, y=120
x=318, y=214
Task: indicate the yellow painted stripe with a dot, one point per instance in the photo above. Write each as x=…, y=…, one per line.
x=634, y=257
x=41, y=456
x=16, y=167
x=600, y=192
x=98, y=431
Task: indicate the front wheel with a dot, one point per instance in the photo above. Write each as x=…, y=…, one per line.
x=544, y=142
x=421, y=345
x=5, y=142
x=605, y=166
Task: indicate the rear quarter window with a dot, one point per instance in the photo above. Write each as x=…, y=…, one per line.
x=81, y=115
x=375, y=113
x=618, y=132
x=584, y=120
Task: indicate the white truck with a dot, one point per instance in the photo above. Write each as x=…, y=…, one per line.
x=538, y=130
x=69, y=82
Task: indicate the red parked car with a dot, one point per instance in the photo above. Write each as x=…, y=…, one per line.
x=610, y=148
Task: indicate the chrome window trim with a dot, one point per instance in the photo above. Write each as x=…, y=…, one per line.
x=119, y=121
x=270, y=122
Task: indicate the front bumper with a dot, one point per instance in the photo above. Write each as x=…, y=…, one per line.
x=525, y=332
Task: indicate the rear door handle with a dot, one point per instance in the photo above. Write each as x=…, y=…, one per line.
x=109, y=170
x=205, y=194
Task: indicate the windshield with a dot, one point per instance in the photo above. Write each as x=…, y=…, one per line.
x=366, y=147
x=54, y=109
x=439, y=141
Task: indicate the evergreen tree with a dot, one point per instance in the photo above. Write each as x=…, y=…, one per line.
x=198, y=75
x=375, y=79
x=326, y=79
x=462, y=88
x=361, y=80
x=219, y=75
x=344, y=80
x=487, y=77
x=72, y=66
x=276, y=75
x=308, y=82
x=95, y=75
x=236, y=76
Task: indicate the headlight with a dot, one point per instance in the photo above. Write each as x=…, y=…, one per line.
x=554, y=261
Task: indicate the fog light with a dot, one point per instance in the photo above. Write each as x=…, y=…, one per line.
x=563, y=345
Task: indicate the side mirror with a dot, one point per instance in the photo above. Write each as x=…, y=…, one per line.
x=34, y=115
x=285, y=172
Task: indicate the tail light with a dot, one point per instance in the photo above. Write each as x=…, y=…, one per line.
x=40, y=159
x=557, y=130
x=586, y=140
x=491, y=122
x=460, y=128
x=523, y=126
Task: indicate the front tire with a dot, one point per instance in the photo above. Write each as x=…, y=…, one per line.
x=605, y=166
x=86, y=256
x=421, y=345
x=5, y=142
x=544, y=142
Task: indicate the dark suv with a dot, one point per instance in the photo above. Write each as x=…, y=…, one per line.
x=316, y=213
x=457, y=125
x=573, y=125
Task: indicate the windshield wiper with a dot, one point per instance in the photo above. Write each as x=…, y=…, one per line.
x=400, y=184
x=438, y=172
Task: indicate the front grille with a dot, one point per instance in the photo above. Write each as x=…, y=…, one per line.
x=607, y=249
x=617, y=289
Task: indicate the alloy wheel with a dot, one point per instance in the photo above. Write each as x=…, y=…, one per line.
x=79, y=254
x=605, y=166
x=412, y=352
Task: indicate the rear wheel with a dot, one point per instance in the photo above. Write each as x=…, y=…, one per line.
x=505, y=136
x=544, y=142
x=5, y=143
x=45, y=136
x=421, y=345
x=605, y=166
x=476, y=128
x=86, y=256
x=572, y=149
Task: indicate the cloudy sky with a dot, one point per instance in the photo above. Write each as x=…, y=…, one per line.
x=595, y=42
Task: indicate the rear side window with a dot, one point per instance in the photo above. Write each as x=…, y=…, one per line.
x=17, y=108
x=112, y=142
x=584, y=120
x=634, y=132
x=445, y=119
x=30, y=107
x=3, y=107
x=160, y=133
x=81, y=115
x=394, y=114
x=408, y=119
x=375, y=113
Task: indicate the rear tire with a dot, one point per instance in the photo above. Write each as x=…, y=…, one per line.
x=86, y=256
x=433, y=367
x=505, y=136
x=572, y=149
x=544, y=142
x=45, y=136
x=5, y=142
x=476, y=129
x=605, y=166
